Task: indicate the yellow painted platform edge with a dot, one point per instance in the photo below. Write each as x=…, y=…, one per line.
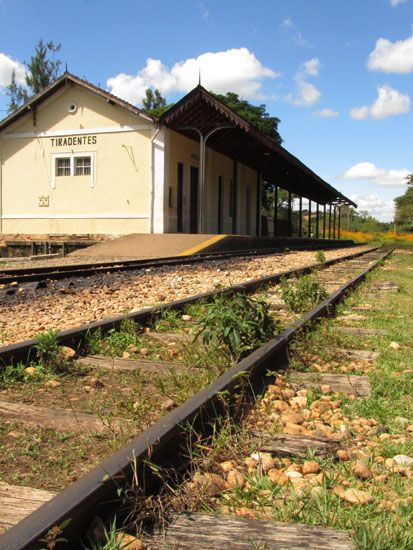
x=201, y=246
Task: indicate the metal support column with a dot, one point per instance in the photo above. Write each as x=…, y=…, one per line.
x=334, y=222
x=339, y=221
x=324, y=221
x=201, y=174
x=289, y=217
x=258, y=210
x=317, y=221
x=300, y=218
x=329, y=222
x=234, y=196
x=275, y=210
x=309, y=219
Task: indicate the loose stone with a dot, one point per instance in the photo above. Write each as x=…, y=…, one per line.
x=361, y=469
x=355, y=496
x=311, y=467
x=235, y=479
x=403, y=460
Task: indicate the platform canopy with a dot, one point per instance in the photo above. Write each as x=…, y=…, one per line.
x=235, y=137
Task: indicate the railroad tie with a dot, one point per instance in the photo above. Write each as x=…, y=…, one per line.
x=64, y=420
x=385, y=287
x=127, y=365
x=18, y=502
x=206, y=532
x=298, y=446
x=359, y=331
x=352, y=317
x=342, y=383
x=168, y=337
x=364, y=355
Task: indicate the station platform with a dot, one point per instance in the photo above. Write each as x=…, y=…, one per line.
x=151, y=245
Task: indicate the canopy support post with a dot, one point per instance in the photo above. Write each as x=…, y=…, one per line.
x=339, y=221
x=234, y=196
x=317, y=221
x=309, y=218
x=300, y=218
x=324, y=221
x=258, y=209
x=275, y=210
x=289, y=215
x=329, y=222
x=201, y=173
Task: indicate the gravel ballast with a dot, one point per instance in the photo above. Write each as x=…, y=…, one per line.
x=59, y=306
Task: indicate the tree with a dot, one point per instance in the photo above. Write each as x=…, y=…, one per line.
x=404, y=207
x=15, y=93
x=154, y=103
x=257, y=115
x=41, y=71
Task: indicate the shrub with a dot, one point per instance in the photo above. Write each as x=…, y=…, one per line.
x=320, y=256
x=238, y=322
x=305, y=294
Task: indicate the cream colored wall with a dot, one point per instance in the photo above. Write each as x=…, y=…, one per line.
x=119, y=201
x=186, y=151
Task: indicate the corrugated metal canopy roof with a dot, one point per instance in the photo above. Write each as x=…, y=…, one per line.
x=243, y=141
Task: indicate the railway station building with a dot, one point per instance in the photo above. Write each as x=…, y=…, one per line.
x=77, y=160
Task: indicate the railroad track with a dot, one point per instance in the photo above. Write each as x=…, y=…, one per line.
x=41, y=275
x=164, y=440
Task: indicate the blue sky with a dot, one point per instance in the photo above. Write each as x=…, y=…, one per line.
x=338, y=73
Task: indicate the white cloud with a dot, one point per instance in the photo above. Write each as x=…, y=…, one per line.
x=307, y=94
x=236, y=70
x=7, y=64
x=397, y=2
x=370, y=172
x=388, y=103
x=392, y=57
x=376, y=206
x=326, y=113
x=295, y=36
x=379, y=208
x=204, y=10
x=312, y=67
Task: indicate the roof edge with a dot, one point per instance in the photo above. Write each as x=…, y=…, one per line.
x=63, y=80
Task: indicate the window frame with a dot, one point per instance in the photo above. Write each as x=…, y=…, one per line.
x=72, y=157
x=85, y=168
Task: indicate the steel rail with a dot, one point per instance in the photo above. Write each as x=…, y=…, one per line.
x=25, y=351
x=163, y=442
x=36, y=274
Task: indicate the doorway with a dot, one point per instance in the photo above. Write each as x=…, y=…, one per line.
x=193, y=200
